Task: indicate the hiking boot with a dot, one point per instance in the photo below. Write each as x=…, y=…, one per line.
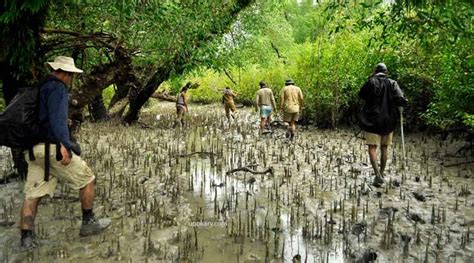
x=29, y=242
x=94, y=226
x=378, y=181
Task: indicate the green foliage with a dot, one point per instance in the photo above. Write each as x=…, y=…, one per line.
x=330, y=49
x=158, y=32
x=107, y=94
x=469, y=120
x=20, y=22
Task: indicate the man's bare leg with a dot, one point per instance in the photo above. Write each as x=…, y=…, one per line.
x=373, y=159
x=268, y=122
x=293, y=129
x=28, y=213
x=383, y=158
x=90, y=224
x=27, y=222
x=86, y=195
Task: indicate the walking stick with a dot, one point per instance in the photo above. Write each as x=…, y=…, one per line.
x=403, y=138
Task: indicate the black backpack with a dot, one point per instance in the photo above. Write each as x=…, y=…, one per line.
x=19, y=122
x=20, y=126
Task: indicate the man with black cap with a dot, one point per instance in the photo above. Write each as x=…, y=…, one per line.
x=383, y=102
x=291, y=103
x=62, y=164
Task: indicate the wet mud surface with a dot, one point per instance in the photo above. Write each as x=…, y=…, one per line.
x=218, y=192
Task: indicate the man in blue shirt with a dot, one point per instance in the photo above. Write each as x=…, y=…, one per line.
x=63, y=163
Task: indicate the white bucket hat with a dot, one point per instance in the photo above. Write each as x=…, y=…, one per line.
x=65, y=64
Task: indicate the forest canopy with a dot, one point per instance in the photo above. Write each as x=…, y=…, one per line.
x=132, y=49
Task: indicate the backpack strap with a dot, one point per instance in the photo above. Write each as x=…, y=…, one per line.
x=31, y=154
x=46, y=161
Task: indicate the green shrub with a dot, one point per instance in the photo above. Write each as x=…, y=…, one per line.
x=107, y=94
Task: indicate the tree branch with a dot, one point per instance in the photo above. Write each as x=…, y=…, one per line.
x=229, y=76
x=278, y=53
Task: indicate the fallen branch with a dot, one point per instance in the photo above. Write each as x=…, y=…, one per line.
x=461, y=163
x=247, y=169
x=166, y=97
x=193, y=153
x=163, y=96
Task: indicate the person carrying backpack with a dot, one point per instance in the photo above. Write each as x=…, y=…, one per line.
x=64, y=165
x=383, y=102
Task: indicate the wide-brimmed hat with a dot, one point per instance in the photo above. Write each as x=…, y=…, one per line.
x=289, y=82
x=65, y=64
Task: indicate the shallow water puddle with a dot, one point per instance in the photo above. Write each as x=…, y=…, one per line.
x=174, y=195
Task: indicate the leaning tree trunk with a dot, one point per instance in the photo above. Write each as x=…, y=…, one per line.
x=102, y=76
x=97, y=109
x=120, y=93
x=138, y=97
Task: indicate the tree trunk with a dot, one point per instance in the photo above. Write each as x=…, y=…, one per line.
x=120, y=93
x=138, y=97
x=97, y=109
x=102, y=76
x=177, y=63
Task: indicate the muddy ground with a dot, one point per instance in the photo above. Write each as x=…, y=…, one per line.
x=173, y=196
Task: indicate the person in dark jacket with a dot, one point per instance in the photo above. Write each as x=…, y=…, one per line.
x=63, y=164
x=379, y=117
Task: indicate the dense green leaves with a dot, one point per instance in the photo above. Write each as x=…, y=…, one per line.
x=328, y=48
x=331, y=48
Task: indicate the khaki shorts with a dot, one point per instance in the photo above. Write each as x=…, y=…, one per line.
x=376, y=139
x=76, y=175
x=288, y=117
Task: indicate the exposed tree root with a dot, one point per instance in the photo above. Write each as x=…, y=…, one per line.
x=248, y=169
x=461, y=163
x=194, y=153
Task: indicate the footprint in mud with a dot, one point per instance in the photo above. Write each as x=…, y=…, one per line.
x=359, y=228
x=370, y=255
x=387, y=212
x=419, y=197
x=416, y=218
x=405, y=238
x=6, y=223
x=396, y=183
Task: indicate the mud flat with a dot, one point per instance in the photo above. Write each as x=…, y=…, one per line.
x=218, y=192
